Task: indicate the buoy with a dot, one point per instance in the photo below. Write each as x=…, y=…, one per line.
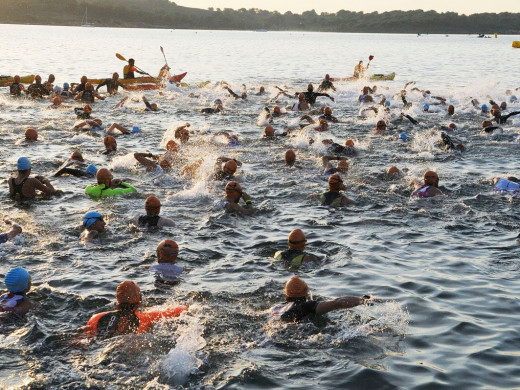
x=516, y=44
x=496, y=35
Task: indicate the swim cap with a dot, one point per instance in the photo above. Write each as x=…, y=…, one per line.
x=152, y=203
x=327, y=111
x=76, y=155
x=296, y=288
x=381, y=123
x=290, y=156
x=335, y=182
x=167, y=250
x=17, y=280
x=403, y=136
x=103, y=174
x=426, y=107
x=217, y=101
x=513, y=99
x=65, y=85
x=296, y=240
x=487, y=123
x=90, y=218
x=91, y=169
x=84, y=79
x=452, y=126
x=135, y=129
x=503, y=105
x=57, y=89
x=342, y=165
x=233, y=142
x=393, y=170
x=31, y=134
x=233, y=186
x=38, y=79
x=277, y=109
x=349, y=143
x=23, y=164
x=230, y=167
x=485, y=107
x=128, y=292
x=269, y=131
x=387, y=103
x=172, y=146
x=451, y=109
x=109, y=141
x=154, y=106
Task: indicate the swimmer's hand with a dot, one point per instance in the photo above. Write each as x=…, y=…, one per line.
x=116, y=182
x=368, y=300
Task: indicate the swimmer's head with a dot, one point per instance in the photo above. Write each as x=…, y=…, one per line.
x=296, y=240
x=128, y=292
x=18, y=280
x=296, y=288
x=327, y=111
x=277, y=110
x=487, y=124
x=51, y=78
x=167, y=251
x=290, y=157
x=152, y=205
x=233, y=189
x=104, y=176
x=327, y=77
x=76, y=155
x=335, y=183
x=343, y=165
x=503, y=105
x=452, y=126
x=154, y=106
x=171, y=145
x=426, y=107
x=31, y=134
x=301, y=97
x=349, y=143
x=485, y=108
x=451, y=109
x=87, y=109
x=431, y=178
x=310, y=88
x=381, y=125
x=16, y=79
x=366, y=90
x=184, y=136
x=38, y=79
x=393, y=170
x=262, y=89
x=110, y=143
x=230, y=167
x=115, y=76
x=83, y=79
x=217, y=102
x=269, y=131
x=513, y=99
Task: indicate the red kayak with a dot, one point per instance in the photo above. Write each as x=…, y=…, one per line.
x=178, y=77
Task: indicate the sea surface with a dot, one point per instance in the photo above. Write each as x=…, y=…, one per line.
x=448, y=267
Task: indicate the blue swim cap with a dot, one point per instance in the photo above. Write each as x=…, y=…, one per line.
x=426, y=107
x=57, y=89
x=135, y=129
x=484, y=107
x=23, y=164
x=217, y=101
x=403, y=136
x=90, y=218
x=387, y=103
x=233, y=142
x=65, y=85
x=91, y=169
x=513, y=99
x=17, y=280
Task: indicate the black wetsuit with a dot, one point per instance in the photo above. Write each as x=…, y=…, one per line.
x=325, y=85
x=221, y=175
x=72, y=171
x=88, y=96
x=15, y=89
x=329, y=118
x=17, y=189
x=109, y=324
x=310, y=97
x=334, y=148
x=80, y=88
x=328, y=197
x=149, y=106
x=148, y=220
x=111, y=84
x=299, y=310
x=37, y=90
x=210, y=110
x=501, y=119
x=81, y=114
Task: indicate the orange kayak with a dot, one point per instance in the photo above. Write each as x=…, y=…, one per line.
x=7, y=80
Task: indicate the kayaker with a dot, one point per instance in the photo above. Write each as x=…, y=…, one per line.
x=23, y=187
x=359, y=70
x=12, y=233
x=295, y=257
x=128, y=70
x=18, y=283
x=230, y=202
x=151, y=219
x=112, y=84
x=333, y=197
x=94, y=225
x=429, y=188
x=297, y=308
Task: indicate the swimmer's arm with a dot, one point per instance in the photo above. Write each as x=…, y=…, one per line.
x=433, y=191
x=98, y=96
x=308, y=119
x=78, y=96
x=15, y=229
x=339, y=303
x=44, y=185
x=308, y=258
x=104, y=82
x=248, y=210
x=326, y=161
x=165, y=222
x=346, y=201
x=24, y=307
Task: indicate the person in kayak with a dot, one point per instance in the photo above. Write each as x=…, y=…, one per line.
x=18, y=283
x=125, y=319
x=12, y=233
x=295, y=257
x=326, y=84
x=333, y=197
x=23, y=187
x=94, y=225
x=112, y=84
x=297, y=308
x=128, y=70
x=359, y=70
x=16, y=88
x=151, y=219
x=429, y=188
x=233, y=195
x=310, y=95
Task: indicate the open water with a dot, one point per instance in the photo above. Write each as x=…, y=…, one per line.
x=449, y=266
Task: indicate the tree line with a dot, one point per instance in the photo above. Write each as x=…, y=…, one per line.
x=166, y=14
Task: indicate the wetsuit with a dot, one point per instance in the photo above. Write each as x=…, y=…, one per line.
x=210, y=110
x=37, y=90
x=501, y=119
x=335, y=148
x=9, y=301
x=221, y=175
x=88, y=96
x=17, y=189
x=149, y=106
x=15, y=89
x=149, y=221
x=295, y=310
x=331, y=198
x=111, y=85
x=65, y=94
x=310, y=97
x=73, y=172
x=329, y=118
x=448, y=143
x=3, y=238
x=80, y=87
x=290, y=257
x=81, y=114
x=421, y=192
x=325, y=85
x=118, y=322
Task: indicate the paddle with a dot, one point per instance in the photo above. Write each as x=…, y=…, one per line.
x=370, y=58
x=139, y=69
x=162, y=50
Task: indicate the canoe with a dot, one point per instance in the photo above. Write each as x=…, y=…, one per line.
x=4, y=80
x=516, y=44
x=389, y=76
x=141, y=87
x=138, y=80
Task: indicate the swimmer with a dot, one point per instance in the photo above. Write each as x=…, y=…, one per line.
x=243, y=95
x=329, y=169
x=88, y=125
x=429, y=188
x=108, y=186
x=333, y=197
x=182, y=134
x=37, y=89
x=15, y=230
x=76, y=166
x=448, y=144
x=326, y=84
x=150, y=107
x=499, y=118
x=65, y=92
x=365, y=96
x=233, y=194
x=16, y=87
x=327, y=115
x=121, y=129
x=270, y=135
x=487, y=127
x=290, y=159
x=49, y=83
x=23, y=187
x=31, y=135
x=219, y=108
x=451, y=110
x=110, y=145
x=166, y=271
x=261, y=92
x=380, y=128
x=506, y=185
x=226, y=171
x=151, y=219
x=297, y=308
x=112, y=84
x=323, y=125
x=57, y=104
x=277, y=112
x=83, y=113
x=126, y=319
x=310, y=95
x=18, y=283
x=164, y=162
x=81, y=86
x=302, y=104
x=94, y=225
x=88, y=95
x=295, y=257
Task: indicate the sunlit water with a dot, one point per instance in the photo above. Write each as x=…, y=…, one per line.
x=448, y=266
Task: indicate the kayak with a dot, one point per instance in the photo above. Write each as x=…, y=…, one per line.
x=516, y=44
x=177, y=78
x=4, y=80
x=141, y=87
x=138, y=80
x=389, y=76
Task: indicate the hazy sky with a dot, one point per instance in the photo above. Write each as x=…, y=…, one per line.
x=298, y=6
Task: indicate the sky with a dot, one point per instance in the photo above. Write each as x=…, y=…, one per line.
x=298, y=6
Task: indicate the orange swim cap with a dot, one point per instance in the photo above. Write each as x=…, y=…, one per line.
x=109, y=141
x=269, y=131
x=31, y=134
x=349, y=143
x=393, y=170
x=290, y=156
x=296, y=288
x=277, y=109
x=230, y=167
x=172, y=146
x=431, y=175
x=487, y=124
x=233, y=186
x=342, y=165
x=296, y=240
x=128, y=292
x=167, y=250
x=103, y=174
x=76, y=155
x=327, y=111
x=335, y=182
x=153, y=204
